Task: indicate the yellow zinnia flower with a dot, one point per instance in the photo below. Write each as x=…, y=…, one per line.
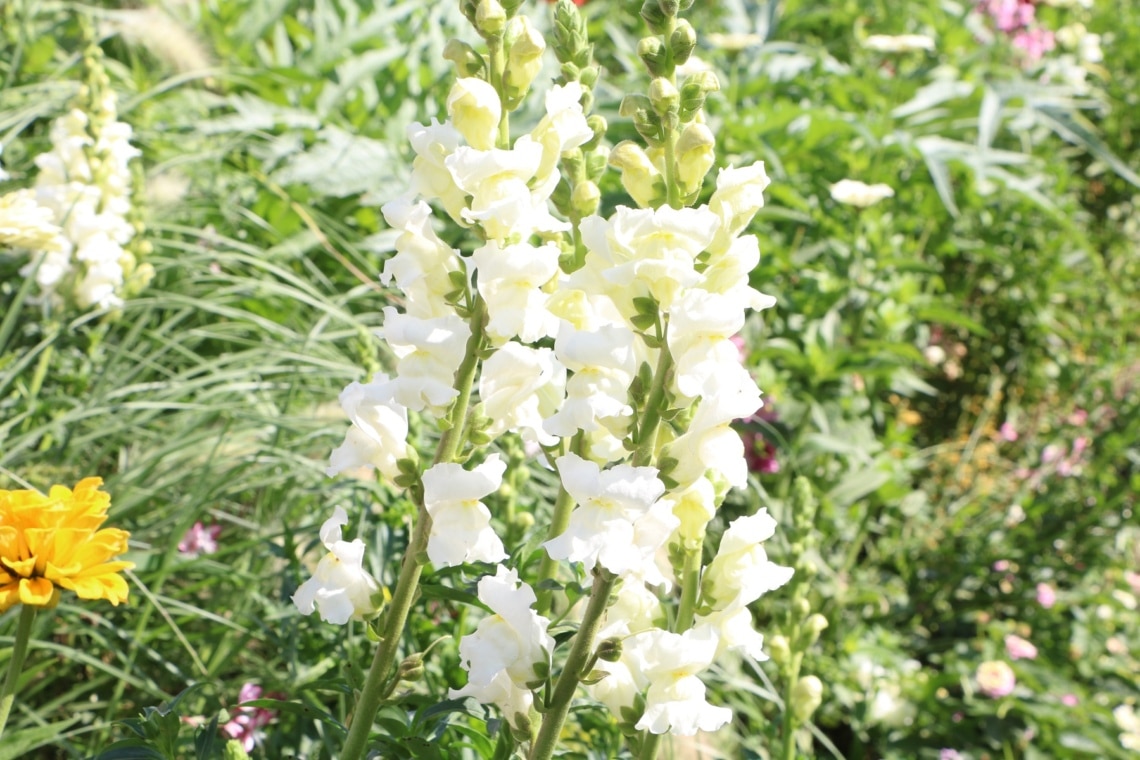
x=54, y=541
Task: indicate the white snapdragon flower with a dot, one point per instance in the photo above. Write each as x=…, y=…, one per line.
x=24, y=224
x=461, y=524
x=379, y=432
x=651, y=252
x=609, y=505
x=699, y=337
x=430, y=176
x=710, y=443
x=475, y=110
x=728, y=270
x=340, y=589
x=738, y=196
x=597, y=395
x=422, y=261
x=563, y=128
x=513, y=639
x=733, y=631
x=859, y=194
x=512, y=700
x=429, y=351
x=694, y=506
x=741, y=572
x=675, y=701
x=503, y=202
x=510, y=279
x=635, y=609
x=519, y=388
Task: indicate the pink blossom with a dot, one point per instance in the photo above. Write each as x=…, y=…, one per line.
x=1052, y=453
x=1069, y=700
x=1035, y=42
x=1008, y=432
x=995, y=679
x=1046, y=596
x=741, y=347
x=1019, y=649
x=200, y=540
x=1001, y=565
x=949, y=754
x=1133, y=579
x=246, y=721
x=1078, y=417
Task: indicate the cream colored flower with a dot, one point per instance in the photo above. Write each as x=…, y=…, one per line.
x=901, y=43
x=859, y=194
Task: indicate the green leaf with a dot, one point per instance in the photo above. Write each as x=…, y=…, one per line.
x=19, y=744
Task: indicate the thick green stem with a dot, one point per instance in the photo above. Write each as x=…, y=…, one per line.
x=789, y=718
x=450, y=444
x=16, y=664
x=651, y=417
x=559, y=522
x=547, y=740
x=690, y=586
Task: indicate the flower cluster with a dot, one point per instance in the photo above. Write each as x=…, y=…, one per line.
x=84, y=184
x=1017, y=19
x=606, y=342
x=54, y=542
x=246, y=724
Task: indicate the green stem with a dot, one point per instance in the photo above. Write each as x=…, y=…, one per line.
x=559, y=522
x=651, y=417
x=450, y=444
x=16, y=664
x=497, y=66
x=690, y=585
x=789, y=717
x=544, y=744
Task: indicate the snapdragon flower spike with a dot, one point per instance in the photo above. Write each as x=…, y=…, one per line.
x=461, y=524
x=340, y=589
x=619, y=522
x=513, y=639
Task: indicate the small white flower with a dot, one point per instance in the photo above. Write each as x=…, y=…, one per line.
x=738, y=196
x=429, y=351
x=710, y=443
x=474, y=108
x=461, y=524
x=733, y=631
x=597, y=395
x=519, y=388
x=510, y=279
x=741, y=571
x=512, y=700
x=422, y=261
x=728, y=271
x=431, y=179
x=700, y=331
x=513, y=639
x=379, y=432
x=564, y=127
x=859, y=194
x=340, y=589
x=675, y=701
x=27, y=225
x=901, y=43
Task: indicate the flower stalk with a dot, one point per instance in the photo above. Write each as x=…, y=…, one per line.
x=16, y=663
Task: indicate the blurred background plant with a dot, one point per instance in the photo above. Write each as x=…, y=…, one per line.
x=952, y=367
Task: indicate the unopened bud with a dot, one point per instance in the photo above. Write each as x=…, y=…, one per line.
x=524, y=520
x=669, y=7
x=524, y=60
x=585, y=198
x=682, y=42
x=610, y=650
x=664, y=96
x=654, y=17
x=467, y=62
x=412, y=668
x=474, y=108
x=801, y=607
x=652, y=53
x=639, y=176
x=696, y=153
x=807, y=695
x=778, y=649
x=490, y=17
x=695, y=91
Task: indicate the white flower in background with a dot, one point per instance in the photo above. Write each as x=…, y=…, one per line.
x=650, y=252
x=734, y=42
x=429, y=351
x=461, y=524
x=602, y=525
x=430, y=176
x=340, y=589
x=379, y=432
x=597, y=395
x=741, y=572
x=1129, y=724
x=422, y=261
x=26, y=225
x=503, y=202
x=514, y=701
x=475, y=110
x=519, y=388
x=510, y=279
x=564, y=127
x=675, y=701
x=738, y=196
x=901, y=43
x=859, y=194
x=513, y=639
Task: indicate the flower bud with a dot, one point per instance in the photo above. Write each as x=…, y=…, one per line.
x=816, y=623
x=695, y=91
x=490, y=18
x=682, y=42
x=801, y=607
x=585, y=198
x=807, y=695
x=467, y=62
x=669, y=7
x=654, y=17
x=233, y=750
x=653, y=54
x=639, y=176
x=524, y=60
x=474, y=108
x=610, y=650
x=664, y=96
x=412, y=668
x=696, y=153
x=778, y=649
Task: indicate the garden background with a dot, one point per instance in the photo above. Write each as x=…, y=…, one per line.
x=954, y=369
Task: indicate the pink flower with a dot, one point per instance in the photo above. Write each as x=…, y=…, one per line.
x=200, y=540
x=1019, y=649
x=1001, y=565
x=246, y=721
x=995, y=679
x=949, y=754
x=1078, y=417
x=1069, y=700
x=741, y=347
x=1052, y=453
x=1008, y=432
x=1035, y=42
x=1133, y=579
x=1046, y=596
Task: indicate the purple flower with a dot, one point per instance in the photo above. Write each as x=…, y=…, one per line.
x=1069, y=700
x=246, y=722
x=200, y=540
x=1008, y=432
x=1046, y=596
x=1019, y=649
